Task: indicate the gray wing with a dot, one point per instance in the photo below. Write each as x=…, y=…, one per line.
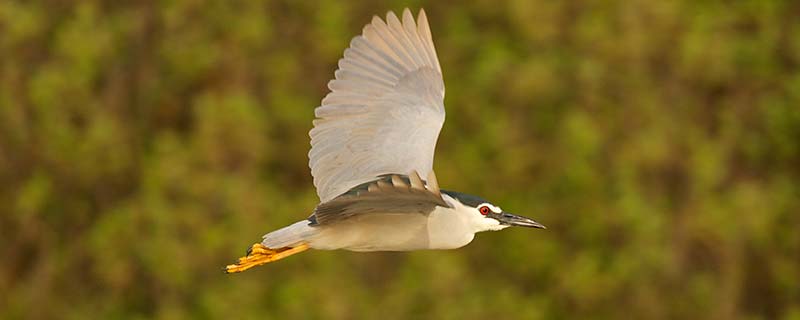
x=385, y=109
x=389, y=194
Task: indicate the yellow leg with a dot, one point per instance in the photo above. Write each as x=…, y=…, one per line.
x=259, y=254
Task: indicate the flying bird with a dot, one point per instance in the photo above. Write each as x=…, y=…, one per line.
x=371, y=156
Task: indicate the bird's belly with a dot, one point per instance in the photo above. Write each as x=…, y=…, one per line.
x=383, y=232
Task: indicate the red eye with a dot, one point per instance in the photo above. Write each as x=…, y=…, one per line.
x=484, y=210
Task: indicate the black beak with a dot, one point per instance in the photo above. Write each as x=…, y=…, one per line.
x=519, y=221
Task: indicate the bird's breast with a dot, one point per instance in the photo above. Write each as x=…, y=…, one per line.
x=394, y=232
x=446, y=229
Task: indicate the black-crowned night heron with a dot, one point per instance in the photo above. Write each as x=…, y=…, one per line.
x=371, y=145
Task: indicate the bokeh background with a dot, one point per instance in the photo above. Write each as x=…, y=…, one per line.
x=144, y=145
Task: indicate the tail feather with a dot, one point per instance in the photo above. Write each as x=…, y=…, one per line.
x=289, y=236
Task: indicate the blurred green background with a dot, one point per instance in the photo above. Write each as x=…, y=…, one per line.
x=145, y=145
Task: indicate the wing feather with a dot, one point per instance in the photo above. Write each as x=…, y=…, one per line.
x=385, y=109
x=387, y=195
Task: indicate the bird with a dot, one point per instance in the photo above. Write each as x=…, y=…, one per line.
x=371, y=157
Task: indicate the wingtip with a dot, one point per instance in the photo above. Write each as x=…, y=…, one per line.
x=406, y=11
x=390, y=15
x=408, y=19
x=375, y=20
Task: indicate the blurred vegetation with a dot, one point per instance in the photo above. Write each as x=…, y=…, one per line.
x=144, y=145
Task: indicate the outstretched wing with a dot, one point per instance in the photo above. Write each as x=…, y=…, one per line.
x=385, y=109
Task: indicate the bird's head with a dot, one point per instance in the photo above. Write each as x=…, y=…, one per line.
x=487, y=216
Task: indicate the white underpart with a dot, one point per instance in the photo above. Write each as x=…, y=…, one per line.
x=444, y=228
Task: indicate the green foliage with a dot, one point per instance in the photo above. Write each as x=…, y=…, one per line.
x=145, y=145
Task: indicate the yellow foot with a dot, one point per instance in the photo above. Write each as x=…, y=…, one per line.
x=258, y=254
